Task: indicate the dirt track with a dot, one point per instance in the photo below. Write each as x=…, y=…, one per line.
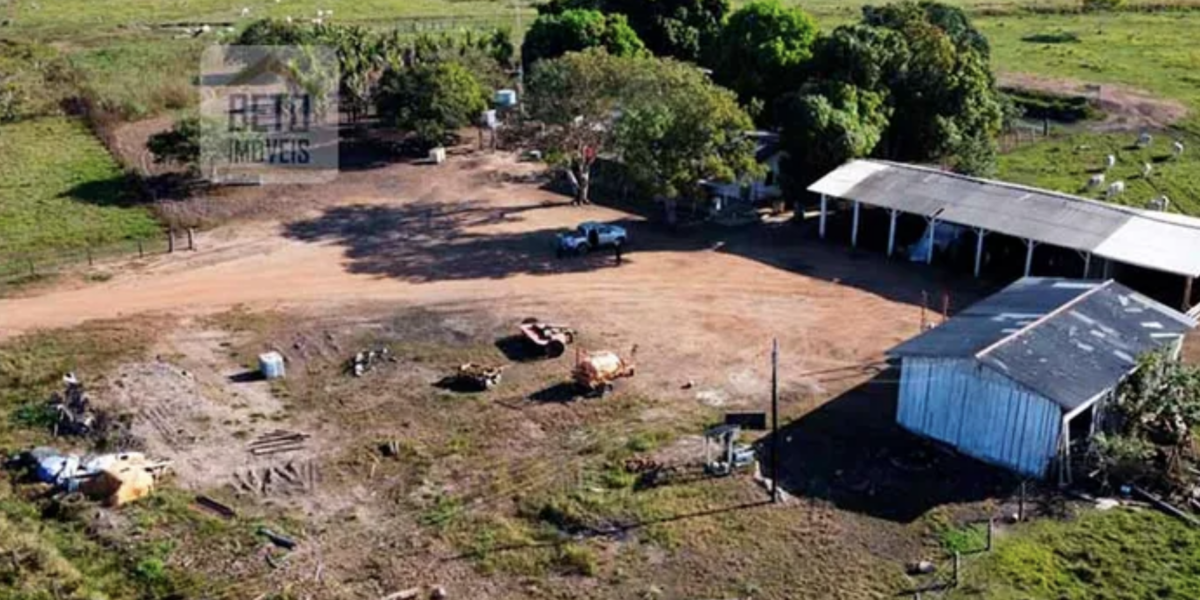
x=457, y=237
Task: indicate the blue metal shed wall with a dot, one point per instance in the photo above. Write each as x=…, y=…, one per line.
x=980, y=412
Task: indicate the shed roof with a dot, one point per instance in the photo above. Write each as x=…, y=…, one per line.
x=1150, y=239
x=1068, y=340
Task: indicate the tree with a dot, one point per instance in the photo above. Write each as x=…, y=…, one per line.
x=431, y=101
x=826, y=124
x=930, y=67
x=674, y=28
x=577, y=96
x=678, y=129
x=192, y=141
x=671, y=126
x=760, y=51
x=553, y=35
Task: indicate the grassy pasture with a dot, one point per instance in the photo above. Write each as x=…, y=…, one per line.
x=1099, y=556
x=59, y=188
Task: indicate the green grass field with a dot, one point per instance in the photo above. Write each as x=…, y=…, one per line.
x=1100, y=556
x=59, y=188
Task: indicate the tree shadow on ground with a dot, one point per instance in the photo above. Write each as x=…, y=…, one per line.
x=850, y=451
x=431, y=241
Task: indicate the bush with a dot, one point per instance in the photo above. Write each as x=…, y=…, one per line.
x=431, y=101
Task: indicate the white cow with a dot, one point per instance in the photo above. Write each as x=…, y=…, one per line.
x=1115, y=189
x=1110, y=161
x=1147, y=168
x=1160, y=203
x=1096, y=181
x=1177, y=148
x=245, y=11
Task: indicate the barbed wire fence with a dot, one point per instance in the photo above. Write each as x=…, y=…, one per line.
x=19, y=267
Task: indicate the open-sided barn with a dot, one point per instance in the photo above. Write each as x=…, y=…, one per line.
x=1012, y=379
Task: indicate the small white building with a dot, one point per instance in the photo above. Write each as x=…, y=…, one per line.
x=728, y=197
x=1012, y=379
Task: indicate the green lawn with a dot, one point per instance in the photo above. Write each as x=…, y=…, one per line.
x=60, y=188
x=1115, y=555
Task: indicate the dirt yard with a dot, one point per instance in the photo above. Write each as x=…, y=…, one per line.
x=1125, y=109
x=518, y=492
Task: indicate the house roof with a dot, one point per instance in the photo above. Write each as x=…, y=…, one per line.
x=1150, y=239
x=1068, y=340
x=766, y=144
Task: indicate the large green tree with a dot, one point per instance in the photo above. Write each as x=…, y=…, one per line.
x=680, y=129
x=430, y=101
x=553, y=35
x=675, y=28
x=826, y=124
x=760, y=52
x=670, y=125
x=927, y=67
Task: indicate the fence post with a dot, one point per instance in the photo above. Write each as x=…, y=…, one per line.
x=957, y=561
x=171, y=240
x=32, y=272
x=1021, y=505
x=991, y=526
x=141, y=250
x=89, y=255
x=191, y=245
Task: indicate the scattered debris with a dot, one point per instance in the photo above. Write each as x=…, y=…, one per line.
x=113, y=479
x=473, y=377
x=1107, y=504
x=439, y=593
x=277, y=441
x=596, y=372
x=366, y=360
x=551, y=340
x=687, y=385
x=408, y=594
x=288, y=478
x=921, y=567
x=1162, y=505
x=280, y=540
x=73, y=407
x=221, y=510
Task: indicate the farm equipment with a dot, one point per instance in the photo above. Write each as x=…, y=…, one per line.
x=595, y=372
x=730, y=455
x=550, y=340
x=474, y=377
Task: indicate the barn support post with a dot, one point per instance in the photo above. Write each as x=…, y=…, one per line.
x=854, y=227
x=824, y=212
x=1029, y=246
x=892, y=231
x=932, y=229
x=1187, y=293
x=980, y=233
x=1087, y=264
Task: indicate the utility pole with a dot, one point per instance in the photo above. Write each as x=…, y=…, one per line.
x=775, y=420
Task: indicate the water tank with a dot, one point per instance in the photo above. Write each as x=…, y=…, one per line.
x=506, y=98
x=271, y=365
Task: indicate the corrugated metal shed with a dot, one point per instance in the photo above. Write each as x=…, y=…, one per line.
x=1066, y=340
x=1154, y=240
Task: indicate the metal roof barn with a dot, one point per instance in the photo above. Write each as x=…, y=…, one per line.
x=1003, y=379
x=1149, y=239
